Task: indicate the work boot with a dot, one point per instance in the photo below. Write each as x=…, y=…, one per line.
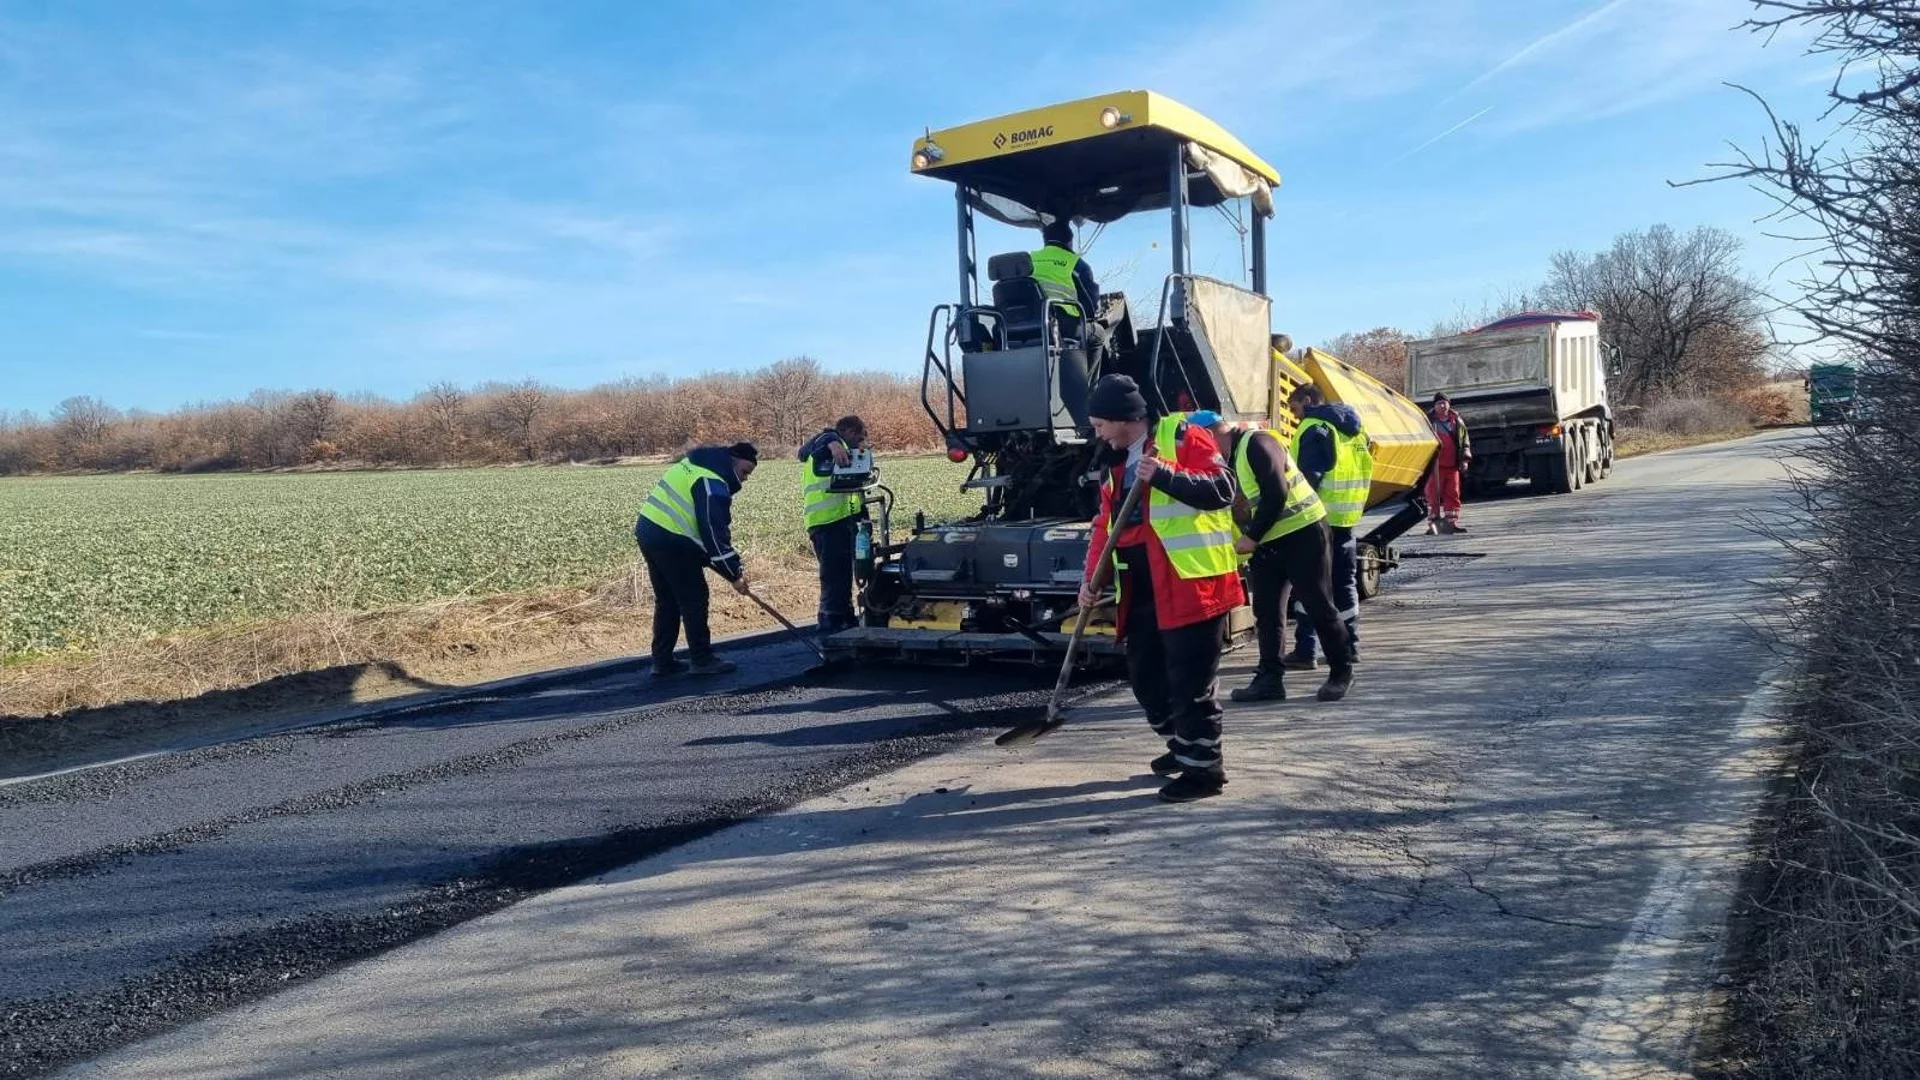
x=1335, y=688
x=1266, y=686
x=663, y=669
x=1298, y=661
x=712, y=665
x=1165, y=765
x=1194, y=784
x=1433, y=527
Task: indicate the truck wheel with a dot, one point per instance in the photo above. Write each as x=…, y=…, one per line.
x=1367, y=570
x=1606, y=455
x=1590, y=458
x=1574, y=471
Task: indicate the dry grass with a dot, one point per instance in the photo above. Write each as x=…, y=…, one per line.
x=1634, y=441
x=455, y=641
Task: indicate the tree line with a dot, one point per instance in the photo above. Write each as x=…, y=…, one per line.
x=1688, y=321
x=778, y=407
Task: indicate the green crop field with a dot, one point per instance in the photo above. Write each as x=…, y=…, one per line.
x=87, y=560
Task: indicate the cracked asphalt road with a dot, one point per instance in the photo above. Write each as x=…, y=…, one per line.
x=1506, y=855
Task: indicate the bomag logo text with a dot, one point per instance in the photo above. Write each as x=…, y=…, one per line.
x=1022, y=137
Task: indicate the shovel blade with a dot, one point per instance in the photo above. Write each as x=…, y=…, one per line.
x=1026, y=734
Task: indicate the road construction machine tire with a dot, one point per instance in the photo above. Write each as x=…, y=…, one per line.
x=1367, y=570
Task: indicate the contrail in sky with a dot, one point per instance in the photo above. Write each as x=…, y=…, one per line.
x=1442, y=135
x=1539, y=43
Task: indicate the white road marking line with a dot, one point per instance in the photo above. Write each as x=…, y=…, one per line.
x=1620, y=1035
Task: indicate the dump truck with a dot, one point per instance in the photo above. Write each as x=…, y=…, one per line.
x=1007, y=389
x=1532, y=389
x=1830, y=392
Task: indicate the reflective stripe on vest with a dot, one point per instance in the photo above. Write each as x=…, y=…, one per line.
x=670, y=503
x=1053, y=270
x=1199, y=543
x=1303, y=506
x=820, y=504
x=1343, y=490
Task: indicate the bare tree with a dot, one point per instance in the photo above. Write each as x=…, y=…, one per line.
x=518, y=409
x=789, y=398
x=1661, y=295
x=84, y=421
x=1380, y=352
x=446, y=406
x=313, y=416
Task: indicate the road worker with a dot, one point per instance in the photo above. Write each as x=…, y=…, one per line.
x=686, y=527
x=1284, y=536
x=1066, y=279
x=1331, y=448
x=1456, y=454
x=1176, y=573
x=833, y=517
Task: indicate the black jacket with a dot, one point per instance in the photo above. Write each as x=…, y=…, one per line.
x=1268, y=461
x=819, y=451
x=713, y=514
x=1317, y=451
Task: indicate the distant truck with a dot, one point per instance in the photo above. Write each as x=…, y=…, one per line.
x=1830, y=391
x=1532, y=389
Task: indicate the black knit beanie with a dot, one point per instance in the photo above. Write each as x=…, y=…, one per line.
x=1116, y=397
x=745, y=450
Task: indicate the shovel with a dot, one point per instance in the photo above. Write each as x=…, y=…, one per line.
x=825, y=664
x=1026, y=733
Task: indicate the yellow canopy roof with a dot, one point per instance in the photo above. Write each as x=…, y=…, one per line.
x=1099, y=158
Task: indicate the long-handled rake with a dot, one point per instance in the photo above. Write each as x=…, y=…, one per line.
x=1055, y=715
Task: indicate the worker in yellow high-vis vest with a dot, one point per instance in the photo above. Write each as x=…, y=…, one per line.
x=832, y=518
x=686, y=528
x=1177, y=575
x=1065, y=279
x=1283, y=534
x=1331, y=448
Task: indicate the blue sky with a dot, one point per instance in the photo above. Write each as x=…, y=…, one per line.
x=201, y=199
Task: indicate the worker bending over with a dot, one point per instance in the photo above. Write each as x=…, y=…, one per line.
x=1176, y=574
x=1284, y=534
x=1331, y=448
x=686, y=526
x=833, y=518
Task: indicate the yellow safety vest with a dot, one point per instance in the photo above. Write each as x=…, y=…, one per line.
x=1053, y=269
x=670, y=504
x=820, y=504
x=1303, y=506
x=1344, y=488
x=1199, y=543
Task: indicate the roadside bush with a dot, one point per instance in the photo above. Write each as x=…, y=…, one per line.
x=1830, y=989
x=1764, y=405
x=1692, y=416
